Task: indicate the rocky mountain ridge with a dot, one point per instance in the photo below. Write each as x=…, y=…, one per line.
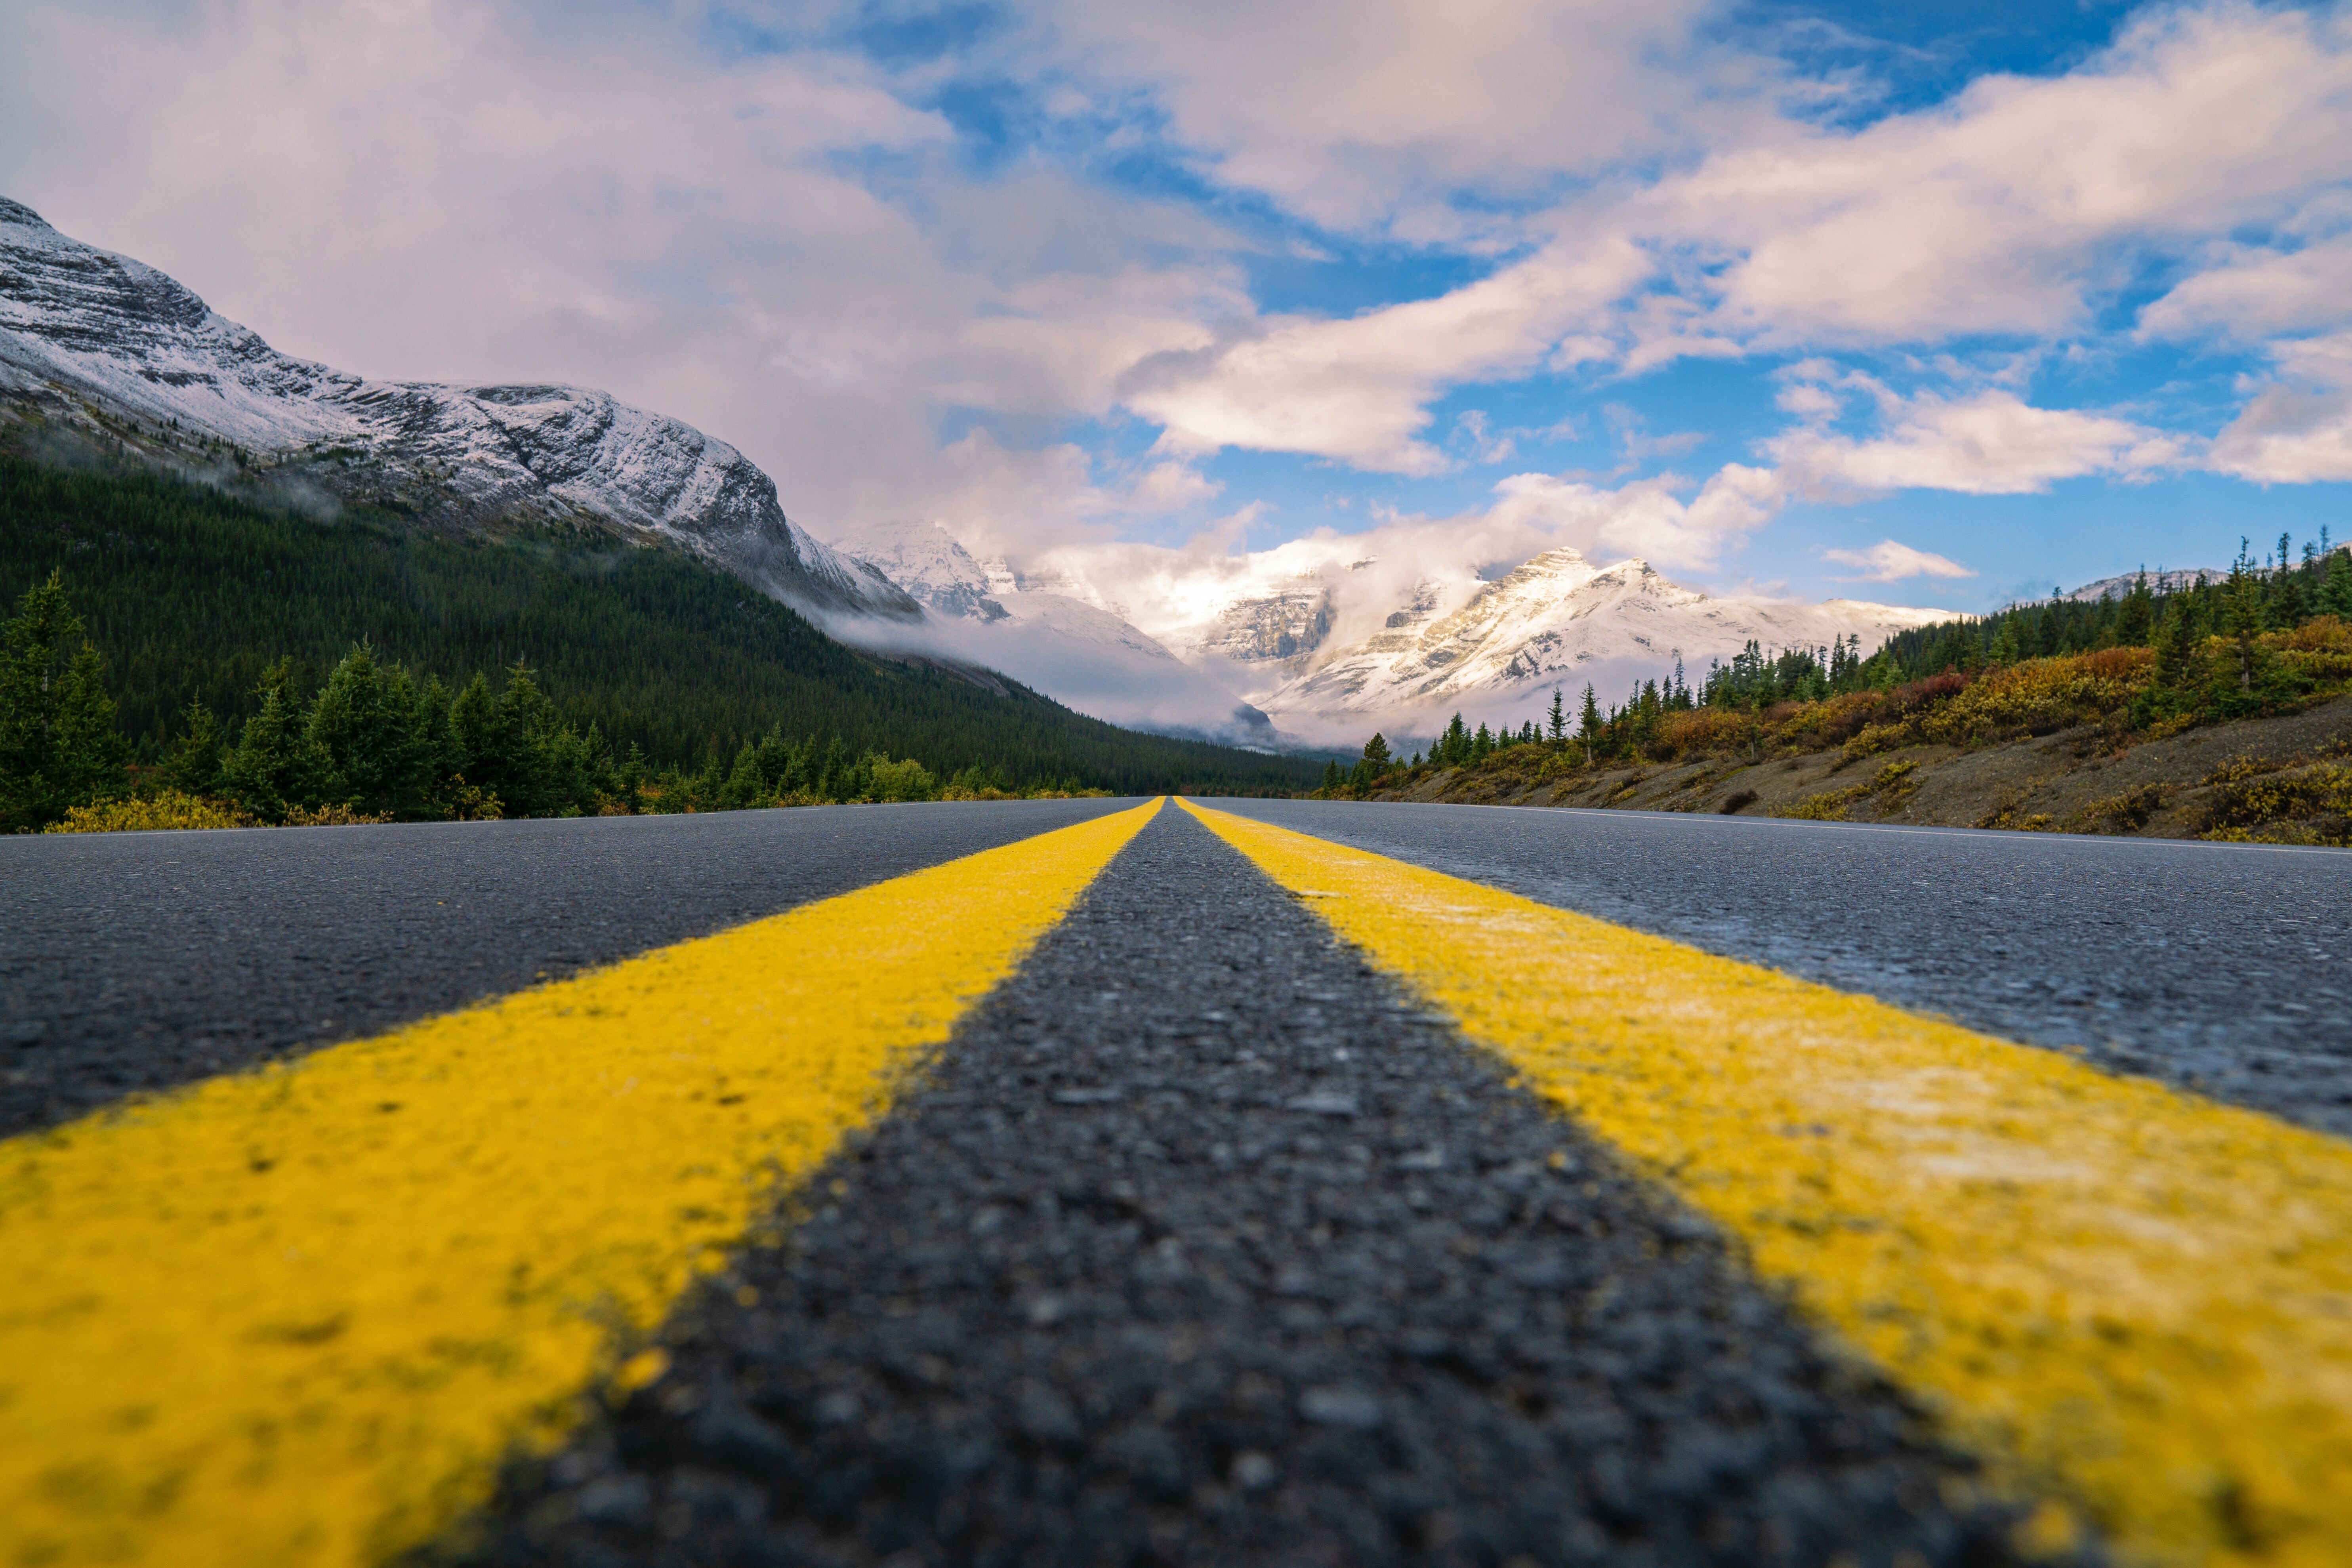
x=1557, y=619
x=96, y=348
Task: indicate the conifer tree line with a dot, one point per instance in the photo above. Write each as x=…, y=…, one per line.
x=364, y=665
x=2265, y=638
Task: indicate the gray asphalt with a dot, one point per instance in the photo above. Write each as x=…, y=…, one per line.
x=140, y=960
x=1202, y=1247
x=2224, y=968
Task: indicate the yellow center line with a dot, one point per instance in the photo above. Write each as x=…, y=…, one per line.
x=299, y=1315
x=2118, y=1294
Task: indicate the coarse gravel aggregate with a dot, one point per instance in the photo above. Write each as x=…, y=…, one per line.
x=135, y=962
x=1199, y=1244
x=2222, y=968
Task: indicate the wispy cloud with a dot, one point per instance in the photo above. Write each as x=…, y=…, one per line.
x=1888, y=562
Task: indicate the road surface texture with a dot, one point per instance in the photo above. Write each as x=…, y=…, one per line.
x=140, y=960
x=1203, y=1246
x=1197, y=1240
x=2220, y=967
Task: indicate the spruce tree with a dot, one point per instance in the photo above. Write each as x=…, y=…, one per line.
x=59, y=747
x=745, y=788
x=193, y=766
x=2336, y=594
x=2135, y=616
x=269, y=768
x=1558, y=723
x=2005, y=649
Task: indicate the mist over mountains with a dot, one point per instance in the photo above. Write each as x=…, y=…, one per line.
x=1328, y=645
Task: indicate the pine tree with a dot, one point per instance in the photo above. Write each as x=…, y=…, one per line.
x=364, y=728
x=1332, y=779
x=193, y=766
x=1588, y=722
x=745, y=788
x=2177, y=640
x=2135, y=616
x=269, y=768
x=1558, y=723
x=1376, y=753
x=2004, y=647
x=2336, y=595
x=59, y=747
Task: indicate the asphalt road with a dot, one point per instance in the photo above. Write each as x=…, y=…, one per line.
x=2225, y=968
x=1203, y=1246
x=139, y=961
x=1200, y=1243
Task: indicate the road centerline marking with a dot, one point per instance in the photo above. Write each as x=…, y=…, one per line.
x=299, y=1315
x=2114, y=1290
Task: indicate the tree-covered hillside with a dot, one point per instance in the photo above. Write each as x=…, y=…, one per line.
x=192, y=597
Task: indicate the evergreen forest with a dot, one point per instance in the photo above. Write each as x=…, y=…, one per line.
x=168, y=640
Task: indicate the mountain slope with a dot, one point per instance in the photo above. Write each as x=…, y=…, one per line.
x=1084, y=653
x=190, y=594
x=102, y=346
x=1557, y=619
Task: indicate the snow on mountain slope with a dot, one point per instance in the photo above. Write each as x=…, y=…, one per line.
x=1079, y=653
x=101, y=343
x=927, y=564
x=1556, y=620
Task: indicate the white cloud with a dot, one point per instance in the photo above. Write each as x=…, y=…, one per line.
x=781, y=248
x=1357, y=113
x=1992, y=443
x=2010, y=210
x=2255, y=291
x=1888, y=562
x=1355, y=389
x=2298, y=430
x=589, y=193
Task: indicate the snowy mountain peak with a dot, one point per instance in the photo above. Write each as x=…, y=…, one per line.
x=1557, y=618
x=98, y=344
x=927, y=563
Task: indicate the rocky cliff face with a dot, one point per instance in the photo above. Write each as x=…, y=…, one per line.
x=103, y=348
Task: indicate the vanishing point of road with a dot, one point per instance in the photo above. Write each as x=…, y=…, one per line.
x=1115, y=1182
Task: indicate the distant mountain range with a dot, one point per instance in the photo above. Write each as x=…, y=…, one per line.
x=1499, y=646
x=1082, y=652
x=1331, y=653
x=100, y=350
x=97, y=347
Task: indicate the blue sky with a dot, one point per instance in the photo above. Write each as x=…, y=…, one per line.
x=1923, y=302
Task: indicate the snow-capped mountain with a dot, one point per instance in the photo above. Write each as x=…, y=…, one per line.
x=102, y=346
x=1079, y=652
x=2157, y=582
x=1558, y=619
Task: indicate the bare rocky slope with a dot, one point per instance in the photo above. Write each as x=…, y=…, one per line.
x=98, y=350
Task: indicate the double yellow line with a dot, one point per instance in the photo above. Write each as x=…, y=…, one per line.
x=2131, y=1301
x=299, y=1316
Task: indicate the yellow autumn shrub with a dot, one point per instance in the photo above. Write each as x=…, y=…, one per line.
x=170, y=809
